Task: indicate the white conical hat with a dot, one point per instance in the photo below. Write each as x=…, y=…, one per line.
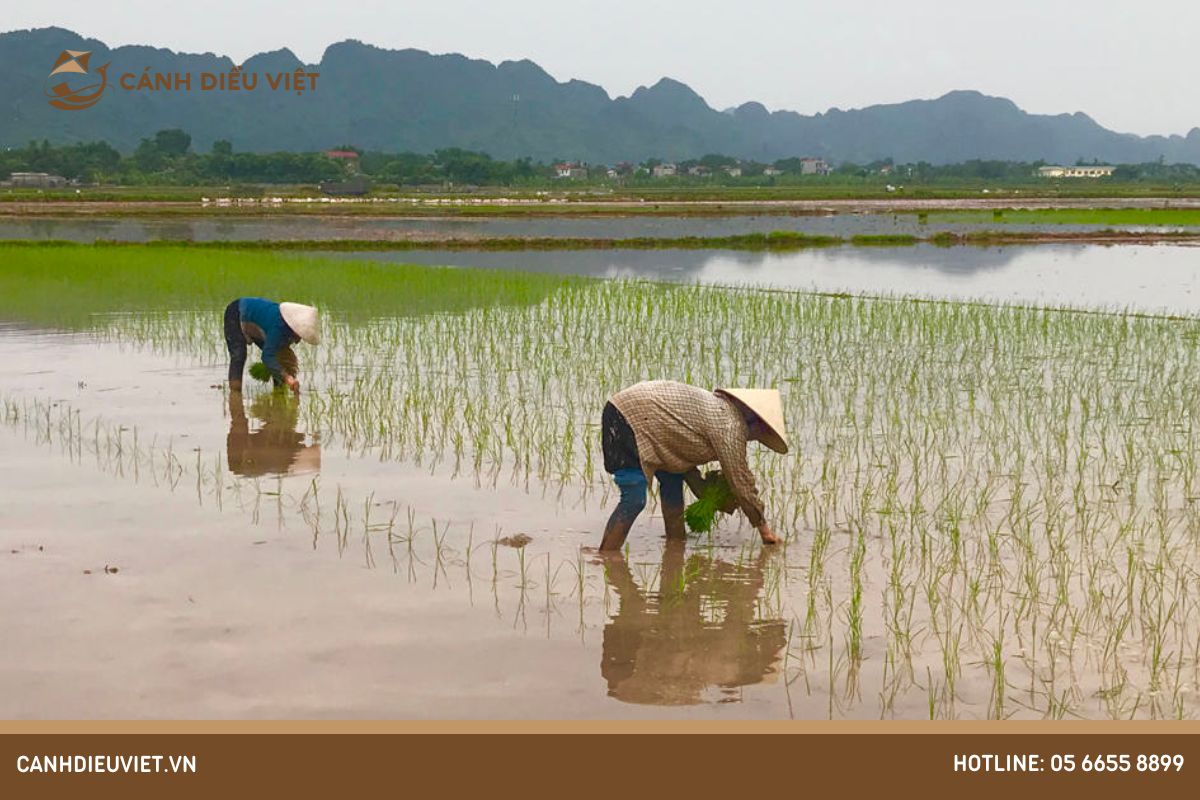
x=768, y=406
x=303, y=320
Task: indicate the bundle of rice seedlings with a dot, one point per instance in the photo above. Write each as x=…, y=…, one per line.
x=260, y=372
x=716, y=497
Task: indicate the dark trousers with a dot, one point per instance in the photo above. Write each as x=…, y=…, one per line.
x=235, y=341
x=619, y=446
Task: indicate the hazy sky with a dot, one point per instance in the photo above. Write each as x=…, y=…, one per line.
x=1129, y=65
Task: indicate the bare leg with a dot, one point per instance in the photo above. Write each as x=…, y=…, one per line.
x=673, y=522
x=615, y=532
x=633, y=499
x=670, y=496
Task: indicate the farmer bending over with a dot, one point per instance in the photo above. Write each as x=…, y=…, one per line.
x=274, y=327
x=667, y=429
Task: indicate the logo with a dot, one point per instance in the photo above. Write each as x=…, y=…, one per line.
x=71, y=87
x=77, y=89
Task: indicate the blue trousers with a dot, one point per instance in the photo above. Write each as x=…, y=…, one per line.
x=632, y=483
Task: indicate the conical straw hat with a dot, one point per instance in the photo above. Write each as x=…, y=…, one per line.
x=303, y=320
x=768, y=406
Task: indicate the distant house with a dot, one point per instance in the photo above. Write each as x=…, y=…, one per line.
x=699, y=171
x=355, y=186
x=624, y=168
x=665, y=171
x=570, y=170
x=1083, y=171
x=36, y=180
x=771, y=172
x=347, y=158
x=733, y=172
x=814, y=166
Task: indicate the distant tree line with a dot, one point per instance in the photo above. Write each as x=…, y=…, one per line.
x=167, y=158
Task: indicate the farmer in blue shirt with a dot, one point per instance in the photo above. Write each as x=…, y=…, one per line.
x=274, y=327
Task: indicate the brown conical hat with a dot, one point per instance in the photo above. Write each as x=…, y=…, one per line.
x=767, y=406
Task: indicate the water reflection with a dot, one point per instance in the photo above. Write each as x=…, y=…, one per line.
x=700, y=631
x=274, y=447
x=1149, y=278
x=788, y=269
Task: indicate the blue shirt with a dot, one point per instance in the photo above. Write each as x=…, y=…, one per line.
x=276, y=333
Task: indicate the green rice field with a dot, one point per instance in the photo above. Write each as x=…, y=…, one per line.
x=1116, y=217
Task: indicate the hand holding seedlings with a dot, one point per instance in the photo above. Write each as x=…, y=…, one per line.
x=667, y=429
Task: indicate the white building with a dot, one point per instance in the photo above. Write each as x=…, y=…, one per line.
x=1086, y=171
x=36, y=180
x=571, y=170
x=815, y=166
x=665, y=171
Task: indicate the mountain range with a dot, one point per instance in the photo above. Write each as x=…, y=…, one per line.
x=411, y=100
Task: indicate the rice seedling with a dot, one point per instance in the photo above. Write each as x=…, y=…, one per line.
x=259, y=372
x=716, y=497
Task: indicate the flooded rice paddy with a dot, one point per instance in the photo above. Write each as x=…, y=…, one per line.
x=203, y=228
x=989, y=511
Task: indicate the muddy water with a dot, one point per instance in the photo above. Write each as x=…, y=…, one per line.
x=1142, y=277
x=134, y=229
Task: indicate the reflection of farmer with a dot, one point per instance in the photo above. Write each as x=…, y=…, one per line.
x=667, y=429
x=274, y=327
x=698, y=631
x=275, y=448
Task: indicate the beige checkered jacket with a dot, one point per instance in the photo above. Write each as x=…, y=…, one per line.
x=679, y=427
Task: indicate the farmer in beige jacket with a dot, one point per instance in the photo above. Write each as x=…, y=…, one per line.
x=666, y=429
